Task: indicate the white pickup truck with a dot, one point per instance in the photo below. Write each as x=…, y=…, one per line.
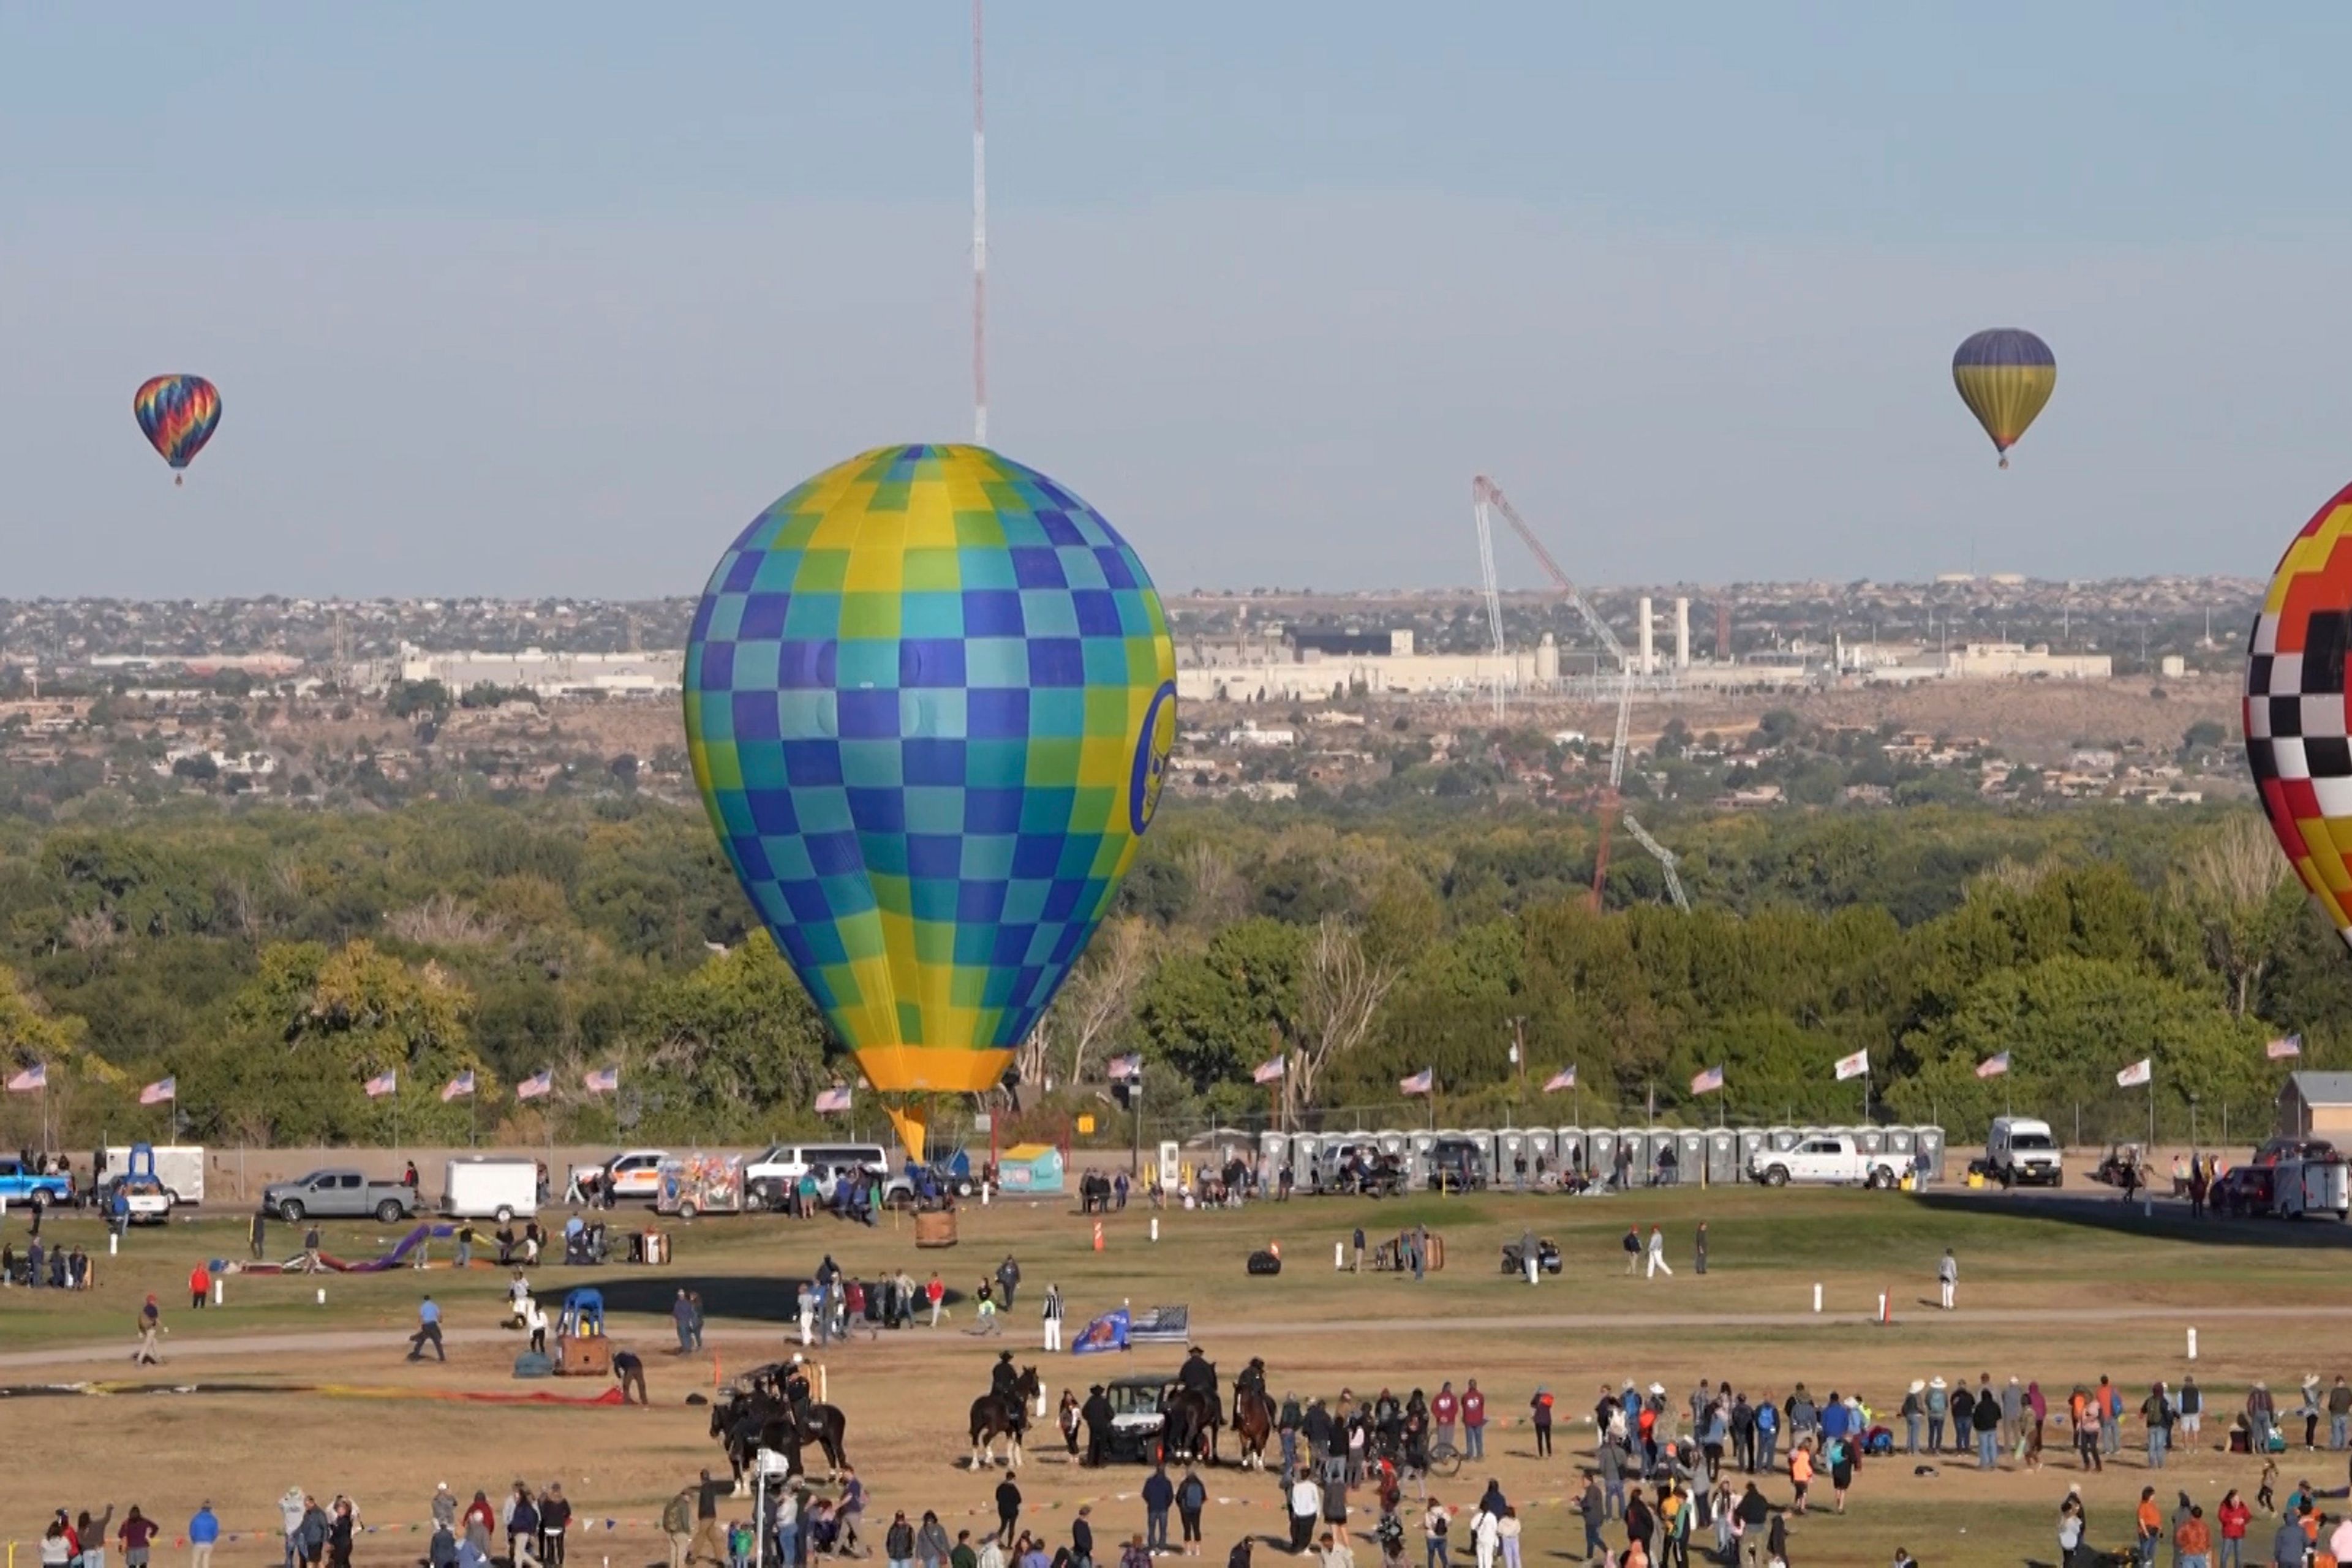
x=1825, y=1157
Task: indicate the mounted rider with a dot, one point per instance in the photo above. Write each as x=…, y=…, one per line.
x=1004, y=1377
x=1252, y=1379
x=1198, y=1375
x=796, y=1389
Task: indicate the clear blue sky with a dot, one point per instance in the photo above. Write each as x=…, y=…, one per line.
x=538, y=299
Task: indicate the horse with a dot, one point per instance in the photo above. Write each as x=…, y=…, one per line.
x=1190, y=1423
x=1254, y=1417
x=746, y=1423
x=1004, y=1416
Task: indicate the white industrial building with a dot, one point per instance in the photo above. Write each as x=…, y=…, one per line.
x=661, y=673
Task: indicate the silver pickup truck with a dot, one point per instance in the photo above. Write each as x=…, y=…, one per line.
x=338, y=1194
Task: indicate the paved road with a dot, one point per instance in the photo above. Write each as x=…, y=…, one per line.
x=335, y=1341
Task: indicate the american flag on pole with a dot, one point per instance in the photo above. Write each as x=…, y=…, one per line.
x=160, y=1090
x=1422, y=1082
x=1564, y=1079
x=2138, y=1073
x=1993, y=1067
x=1708, y=1082
x=32, y=1078
x=602, y=1081
x=539, y=1083
x=1269, y=1070
x=1854, y=1066
x=381, y=1084
x=458, y=1088
x=1121, y=1069
x=2279, y=1051
x=832, y=1101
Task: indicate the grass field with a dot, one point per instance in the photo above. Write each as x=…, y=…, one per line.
x=2058, y=1291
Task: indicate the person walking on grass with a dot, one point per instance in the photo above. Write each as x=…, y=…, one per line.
x=151, y=1324
x=1191, y=1500
x=1948, y=1278
x=1658, y=1264
x=1159, y=1497
x=1053, y=1321
x=428, y=1332
x=2155, y=1410
x=1633, y=1249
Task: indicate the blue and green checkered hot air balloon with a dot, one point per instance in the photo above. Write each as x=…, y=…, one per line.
x=930, y=701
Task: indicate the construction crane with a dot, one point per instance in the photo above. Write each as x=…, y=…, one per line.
x=1665, y=858
x=1493, y=595
x=1486, y=496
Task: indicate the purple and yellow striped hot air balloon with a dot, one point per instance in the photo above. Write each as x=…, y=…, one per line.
x=2005, y=376
x=177, y=414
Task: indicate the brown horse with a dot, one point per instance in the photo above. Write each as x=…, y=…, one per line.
x=1190, y=1423
x=1254, y=1417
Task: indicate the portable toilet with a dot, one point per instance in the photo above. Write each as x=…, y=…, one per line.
x=1272, y=1154
x=1690, y=1155
x=1307, y=1160
x=1543, y=1144
x=1639, y=1146
x=1752, y=1141
x=1417, y=1164
x=1568, y=1148
x=1514, y=1160
x=1903, y=1141
x=1870, y=1140
x=1927, y=1146
x=1722, y=1157
x=1781, y=1140
x=1600, y=1152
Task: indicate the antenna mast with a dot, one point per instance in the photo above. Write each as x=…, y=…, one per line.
x=978, y=246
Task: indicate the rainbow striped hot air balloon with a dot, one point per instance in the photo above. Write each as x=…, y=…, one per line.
x=929, y=699
x=2005, y=376
x=177, y=414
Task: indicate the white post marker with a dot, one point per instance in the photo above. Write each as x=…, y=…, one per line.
x=322, y=1295
x=1340, y=1257
x=2192, y=1344
x=110, y=1239
x=1817, y=1297
x=216, y=1292
x=824, y=1386
x=1155, y=1227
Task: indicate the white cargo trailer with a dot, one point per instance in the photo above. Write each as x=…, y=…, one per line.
x=491, y=1188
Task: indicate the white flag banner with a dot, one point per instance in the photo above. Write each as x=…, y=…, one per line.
x=2138, y=1073
x=1854, y=1066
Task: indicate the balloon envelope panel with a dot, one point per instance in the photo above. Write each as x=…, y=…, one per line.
x=929, y=700
x=2296, y=741
x=177, y=414
x=2005, y=376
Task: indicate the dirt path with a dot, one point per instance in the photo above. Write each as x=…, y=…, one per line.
x=328, y=1340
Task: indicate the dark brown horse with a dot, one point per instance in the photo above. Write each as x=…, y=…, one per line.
x=995, y=1415
x=1254, y=1417
x=1190, y=1424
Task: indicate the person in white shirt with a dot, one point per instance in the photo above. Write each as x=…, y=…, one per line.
x=1486, y=1534
x=1947, y=1277
x=1053, y=1318
x=1305, y=1509
x=1658, y=1263
x=1335, y=1553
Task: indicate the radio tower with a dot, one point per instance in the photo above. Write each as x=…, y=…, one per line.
x=978, y=246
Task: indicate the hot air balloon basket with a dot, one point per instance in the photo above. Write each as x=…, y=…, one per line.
x=935, y=1228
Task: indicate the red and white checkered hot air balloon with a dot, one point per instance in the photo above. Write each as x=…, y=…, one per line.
x=2298, y=740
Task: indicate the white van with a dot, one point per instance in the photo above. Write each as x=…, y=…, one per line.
x=491, y=1188
x=770, y=1176
x=2022, y=1151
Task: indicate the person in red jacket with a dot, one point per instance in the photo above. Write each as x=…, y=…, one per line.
x=200, y=1287
x=1444, y=1410
x=2233, y=1516
x=1473, y=1422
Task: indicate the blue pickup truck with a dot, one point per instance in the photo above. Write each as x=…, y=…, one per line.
x=23, y=1184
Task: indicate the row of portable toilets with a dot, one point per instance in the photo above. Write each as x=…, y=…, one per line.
x=1717, y=1154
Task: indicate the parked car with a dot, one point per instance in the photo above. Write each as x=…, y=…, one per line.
x=1826, y=1158
x=633, y=1175
x=338, y=1194
x=2244, y=1190
x=1456, y=1165
x=147, y=1199
x=23, y=1184
x=769, y=1176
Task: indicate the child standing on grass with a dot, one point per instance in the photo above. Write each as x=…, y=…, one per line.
x=2263, y=1497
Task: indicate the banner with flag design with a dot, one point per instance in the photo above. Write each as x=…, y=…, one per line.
x=381, y=1084
x=458, y=1088
x=537, y=1084
x=32, y=1078
x=602, y=1081
x=2139, y=1072
x=1564, y=1079
x=1422, y=1082
x=2280, y=1050
x=1270, y=1070
x=162, y=1090
x=1708, y=1082
x=1854, y=1066
x=1993, y=1067
x=832, y=1101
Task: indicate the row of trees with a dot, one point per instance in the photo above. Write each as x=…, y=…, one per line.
x=273, y=960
